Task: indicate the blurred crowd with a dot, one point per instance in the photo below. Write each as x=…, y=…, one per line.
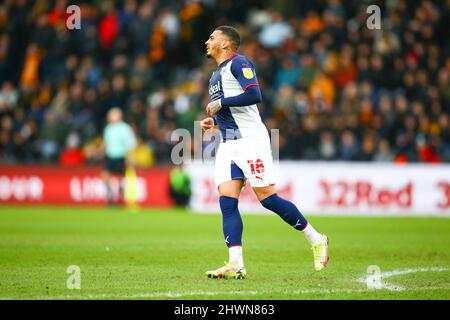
x=335, y=89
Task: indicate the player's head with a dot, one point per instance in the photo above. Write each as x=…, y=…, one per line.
x=114, y=115
x=224, y=38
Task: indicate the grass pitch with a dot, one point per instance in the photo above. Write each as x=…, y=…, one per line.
x=163, y=254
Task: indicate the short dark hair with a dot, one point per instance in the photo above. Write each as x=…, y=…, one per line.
x=232, y=34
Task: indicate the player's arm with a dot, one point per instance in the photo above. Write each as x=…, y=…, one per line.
x=131, y=143
x=251, y=96
x=102, y=146
x=130, y=139
x=243, y=71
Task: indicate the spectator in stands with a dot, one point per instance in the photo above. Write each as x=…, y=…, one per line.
x=51, y=137
x=8, y=97
x=316, y=61
x=72, y=154
x=384, y=153
x=327, y=147
x=349, y=148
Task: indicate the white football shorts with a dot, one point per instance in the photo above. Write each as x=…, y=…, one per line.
x=248, y=158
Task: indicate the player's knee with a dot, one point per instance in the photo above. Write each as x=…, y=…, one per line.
x=230, y=189
x=229, y=193
x=264, y=192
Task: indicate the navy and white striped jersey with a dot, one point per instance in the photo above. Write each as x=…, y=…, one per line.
x=231, y=78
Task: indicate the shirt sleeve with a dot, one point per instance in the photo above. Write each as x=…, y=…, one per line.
x=244, y=72
x=251, y=96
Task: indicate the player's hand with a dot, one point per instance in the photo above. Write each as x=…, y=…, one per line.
x=213, y=107
x=207, y=124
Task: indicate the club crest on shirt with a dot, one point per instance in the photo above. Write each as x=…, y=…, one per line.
x=248, y=73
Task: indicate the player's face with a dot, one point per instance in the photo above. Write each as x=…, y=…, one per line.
x=214, y=44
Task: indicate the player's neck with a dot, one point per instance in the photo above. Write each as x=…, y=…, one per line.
x=225, y=56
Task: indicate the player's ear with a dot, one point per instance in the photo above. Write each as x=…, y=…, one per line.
x=225, y=43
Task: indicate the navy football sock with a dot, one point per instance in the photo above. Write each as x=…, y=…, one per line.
x=231, y=221
x=286, y=210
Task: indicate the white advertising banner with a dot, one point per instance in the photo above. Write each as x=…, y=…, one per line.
x=324, y=188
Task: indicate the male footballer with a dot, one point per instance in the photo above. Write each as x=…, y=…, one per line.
x=244, y=152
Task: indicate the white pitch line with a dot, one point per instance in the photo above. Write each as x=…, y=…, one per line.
x=194, y=293
x=211, y=293
x=169, y=294
x=388, y=274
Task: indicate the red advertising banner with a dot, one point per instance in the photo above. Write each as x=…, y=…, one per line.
x=324, y=188
x=77, y=185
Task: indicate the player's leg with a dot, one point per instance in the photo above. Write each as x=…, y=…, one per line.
x=290, y=214
x=287, y=211
x=257, y=164
x=231, y=189
x=119, y=172
x=231, y=219
x=106, y=177
x=232, y=227
x=229, y=180
x=113, y=168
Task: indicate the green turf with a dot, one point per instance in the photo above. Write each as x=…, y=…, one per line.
x=163, y=254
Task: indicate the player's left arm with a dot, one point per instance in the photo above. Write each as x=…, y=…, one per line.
x=244, y=72
x=252, y=95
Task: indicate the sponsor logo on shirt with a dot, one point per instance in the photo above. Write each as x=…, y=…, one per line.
x=214, y=88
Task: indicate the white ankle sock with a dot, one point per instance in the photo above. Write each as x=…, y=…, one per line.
x=235, y=254
x=312, y=235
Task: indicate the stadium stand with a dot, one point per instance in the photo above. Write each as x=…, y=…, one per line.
x=335, y=89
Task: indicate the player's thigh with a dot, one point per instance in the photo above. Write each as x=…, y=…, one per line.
x=225, y=169
x=231, y=188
